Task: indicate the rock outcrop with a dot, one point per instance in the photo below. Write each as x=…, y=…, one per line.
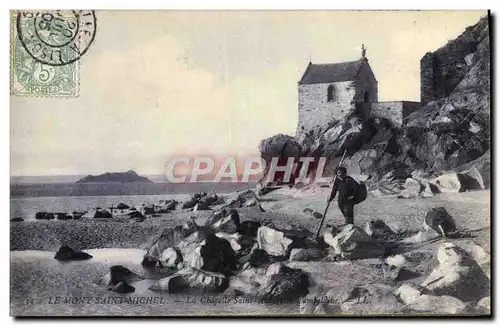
x=449, y=132
x=353, y=243
x=192, y=279
x=65, y=253
x=275, y=282
x=458, y=275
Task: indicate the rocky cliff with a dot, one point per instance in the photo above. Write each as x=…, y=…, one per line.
x=449, y=132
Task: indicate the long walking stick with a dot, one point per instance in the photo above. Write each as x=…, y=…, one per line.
x=328, y=204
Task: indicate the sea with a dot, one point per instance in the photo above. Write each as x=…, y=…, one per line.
x=31, y=195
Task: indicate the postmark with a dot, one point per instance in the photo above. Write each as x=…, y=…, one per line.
x=45, y=50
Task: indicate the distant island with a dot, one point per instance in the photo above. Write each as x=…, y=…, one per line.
x=129, y=176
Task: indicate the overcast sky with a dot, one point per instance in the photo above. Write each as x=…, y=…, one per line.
x=157, y=84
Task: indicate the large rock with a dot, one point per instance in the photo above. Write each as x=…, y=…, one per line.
x=190, y=203
x=457, y=275
x=229, y=222
x=483, y=166
x=98, y=213
x=218, y=255
x=485, y=303
x=204, y=250
x=122, y=206
x=208, y=199
x=44, y=216
x=256, y=257
x=412, y=189
x=64, y=216
x=366, y=299
x=378, y=229
x=169, y=237
x=193, y=279
x=118, y=274
x=65, y=253
x=123, y=288
x=274, y=242
x=440, y=221
x=171, y=257
x=276, y=282
x=421, y=236
x=239, y=199
x=417, y=301
x=238, y=242
x=138, y=216
x=279, y=146
x=444, y=304
x=448, y=183
x=353, y=243
x=249, y=228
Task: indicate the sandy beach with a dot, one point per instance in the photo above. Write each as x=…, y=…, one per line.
x=35, y=274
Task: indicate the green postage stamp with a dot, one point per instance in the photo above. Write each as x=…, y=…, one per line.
x=45, y=50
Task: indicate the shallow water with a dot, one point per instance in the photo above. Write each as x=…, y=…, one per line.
x=43, y=286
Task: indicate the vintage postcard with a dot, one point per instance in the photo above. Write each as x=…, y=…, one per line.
x=250, y=163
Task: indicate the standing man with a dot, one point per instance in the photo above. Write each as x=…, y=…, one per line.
x=346, y=187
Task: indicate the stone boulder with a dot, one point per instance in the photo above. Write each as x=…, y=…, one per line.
x=169, y=237
x=256, y=257
x=485, y=303
x=479, y=169
x=171, y=257
x=170, y=205
x=208, y=199
x=416, y=301
x=378, y=229
x=218, y=256
x=249, y=228
x=118, y=274
x=238, y=242
x=123, y=288
x=412, y=189
x=279, y=146
x=200, y=207
x=450, y=182
x=352, y=299
x=98, y=213
x=137, y=215
x=421, y=236
x=44, y=216
x=274, y=242
x=122, y=206
x=65, y=253
x=440, y=221
x=329, y=234
x=77, y=215
x=206, y=251
x=353, y=243
x=458, y=275
x=193, y=279
x=239, y=199
x=190, y=203
x=229, y=222
x=276, y=282
x=366, y=299
x=63, y=216
x=307, y=254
